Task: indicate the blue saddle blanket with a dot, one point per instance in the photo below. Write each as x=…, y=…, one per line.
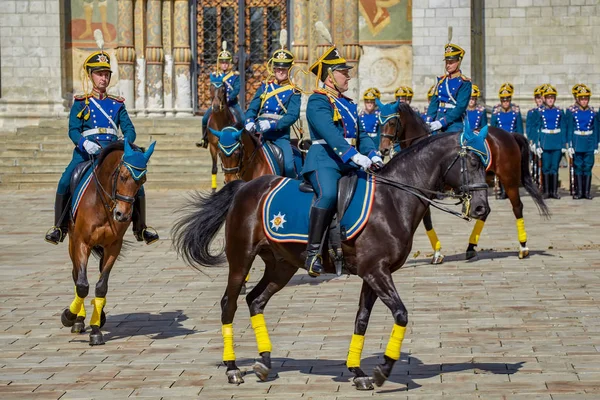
x=286, y=210
x=81, y=188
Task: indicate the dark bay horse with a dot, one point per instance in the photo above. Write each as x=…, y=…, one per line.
x=103, y=215
x=220, y=117
x=404, y=189
x=509, y=161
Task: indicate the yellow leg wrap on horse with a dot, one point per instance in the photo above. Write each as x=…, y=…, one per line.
x=395, y=343
x=81, y=312
x=521, y=230
x=355, y=351
x=98, y=303
x=262, y=335
x=433, y=239
x=227, y=332
x=474, y=238
x=247, y=277
x=213, y=182
x=77, y=304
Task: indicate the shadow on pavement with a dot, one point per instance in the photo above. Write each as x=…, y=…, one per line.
x=163, y=325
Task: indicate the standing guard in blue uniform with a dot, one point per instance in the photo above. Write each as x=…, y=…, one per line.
x=530, y=121
x=552, y=138
x=276, y=106
x=476, y=112
x=583, y=133
x=424, y=115
x=452, y=93
x=231, y=80
x=338, y=144
x=507, y=115
x=405, y=94
x=94, y=122
x=369, y=116
x=509, y=88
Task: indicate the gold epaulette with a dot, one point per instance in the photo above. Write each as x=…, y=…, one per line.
x=336, y=113
x=465, y=78
x=516, y=108
x=81, y=97
x=116, y=98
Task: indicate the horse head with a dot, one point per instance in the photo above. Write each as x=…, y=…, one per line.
x=128, y=176
x=231, y=151
x=399, y=124
x=218, y=93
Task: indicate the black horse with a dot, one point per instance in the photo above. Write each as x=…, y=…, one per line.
x=404, y=189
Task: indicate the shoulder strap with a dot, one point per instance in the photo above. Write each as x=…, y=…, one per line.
x=275, y=92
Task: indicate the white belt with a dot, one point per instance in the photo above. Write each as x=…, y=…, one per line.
x=270, y=116
x=447, y=105
x=351, y=141
x=583, y=133
x=101, y=131
x=551, y=131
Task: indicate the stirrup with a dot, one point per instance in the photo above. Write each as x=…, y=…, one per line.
x=203, y=143
x=312, y=271
x=55, y=241
x=148, y=235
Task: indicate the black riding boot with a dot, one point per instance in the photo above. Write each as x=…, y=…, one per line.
x=554, y=194
x=61, y=219
x=502, y=194
x=587, y=180
x=204, y=141
x=320, y=218
x=578, y=187
x=546, y=187
x=140, y=230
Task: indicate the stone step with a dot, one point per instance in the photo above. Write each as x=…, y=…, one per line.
x=202, y=168
x=62, y=137
x=158, y=153
x=162, y=145
x=53, y=177
x=201, y=185
x=145, y=122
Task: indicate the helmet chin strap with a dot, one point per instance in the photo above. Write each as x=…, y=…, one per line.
x=330, y=75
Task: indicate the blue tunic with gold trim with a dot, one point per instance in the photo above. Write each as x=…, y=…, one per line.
x=370, y=124
x=450, y=101
x=510, y=121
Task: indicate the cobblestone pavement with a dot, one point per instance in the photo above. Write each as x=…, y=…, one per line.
x=493, y=328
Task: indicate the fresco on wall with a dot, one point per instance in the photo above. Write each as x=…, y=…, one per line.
x=82, y=18
x=385, y=22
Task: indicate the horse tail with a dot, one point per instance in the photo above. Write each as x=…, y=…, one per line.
x=204, y=216
x=526, y=178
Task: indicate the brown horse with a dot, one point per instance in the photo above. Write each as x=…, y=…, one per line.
x=220, y=117
x=373, y=254
x=103, y=215
x=509, y=161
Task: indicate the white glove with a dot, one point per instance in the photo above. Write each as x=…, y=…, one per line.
x=596, y=152
x=532, y=147
x=91, y=147
x=250, y=126
x=376, y=159
x=571, y=152
x=264, y=125
x=539, y=151
x=435, y=126
x=362, y=161
x=563, y=150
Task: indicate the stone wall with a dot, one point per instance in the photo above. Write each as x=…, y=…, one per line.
x=31, y=68
x=530, y=42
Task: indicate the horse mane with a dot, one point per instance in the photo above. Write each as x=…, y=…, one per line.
x=415, y=148
x=405, y=109
x=115, y=146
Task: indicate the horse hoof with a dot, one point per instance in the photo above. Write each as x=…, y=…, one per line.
x=378, y=376
x=363, y=383
x=78, y=327
x=437, y=259
x=243, y=289
x=523, y=254
x=470, y=254
x=261, y=371
x=235, y=376
x=96, y=339
x=67, y=318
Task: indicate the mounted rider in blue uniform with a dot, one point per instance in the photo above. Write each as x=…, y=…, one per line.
x=94, y=122
x=583, y=134
x=507, y=115
x=231, y=80
x=276, y=106
x=552, y=139
x=369, y=116
x=476, y=112
x=452, y=93
x=337, y=138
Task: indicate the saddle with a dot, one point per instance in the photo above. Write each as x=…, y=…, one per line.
x=78, y=173
x=336, y=234
x=278, y=155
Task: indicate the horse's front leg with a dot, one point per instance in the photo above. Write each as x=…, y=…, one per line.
x=74, y=316
x=213, y=155
x=98, y=317
x=436, y=245
x=365, y=306
x=383, y=285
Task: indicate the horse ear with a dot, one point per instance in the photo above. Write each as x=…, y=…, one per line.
x=216, y=133
x=128, y=149
x=150, y=150
x=237, y=134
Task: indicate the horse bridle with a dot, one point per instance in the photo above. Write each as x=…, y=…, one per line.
x=221, y=103
x=394, y=138
x=233, y=170
x=115, y=196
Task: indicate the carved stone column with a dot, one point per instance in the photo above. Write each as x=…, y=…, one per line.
x=139, y=12
x=182, y=57
x=351, y=50
x=167, y=43
x=154, y=59
x=300, y=34
x=317, y=11
x=126, y=52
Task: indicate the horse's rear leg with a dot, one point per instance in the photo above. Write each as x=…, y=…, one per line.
x=438, y=257
x=382, y=284
x=365, y=306
x=98, y=317
x=517, y=205
x=74, y=316
x=277, y=275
